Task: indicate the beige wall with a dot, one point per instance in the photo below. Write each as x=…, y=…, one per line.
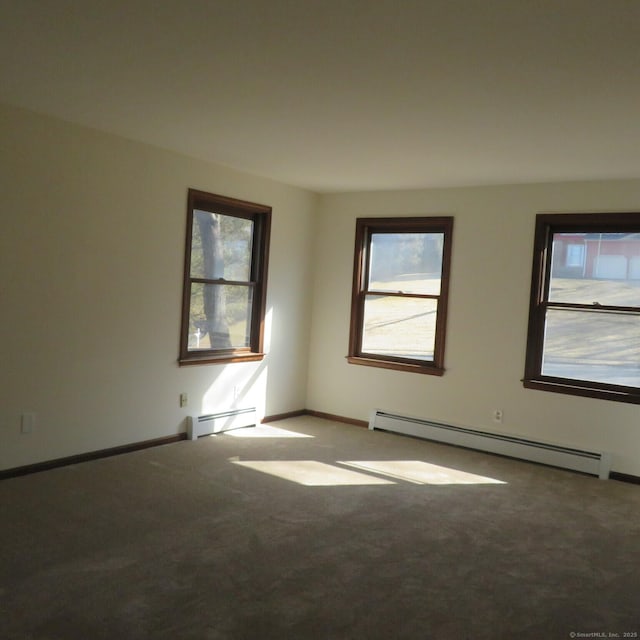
x=486, y=335
x=91, y=255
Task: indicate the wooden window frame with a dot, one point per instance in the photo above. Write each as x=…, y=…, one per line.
x=548, y=224
x=261, y=217
x=365, y=227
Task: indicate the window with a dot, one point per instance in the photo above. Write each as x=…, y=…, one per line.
x=225, y=279
x=575, y=255
x=584, y=317
x=399, y=299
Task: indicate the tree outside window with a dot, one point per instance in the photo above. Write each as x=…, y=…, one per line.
x=225, y=279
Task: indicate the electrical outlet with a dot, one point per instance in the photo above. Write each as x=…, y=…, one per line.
x=184, y=400
x=498, y=416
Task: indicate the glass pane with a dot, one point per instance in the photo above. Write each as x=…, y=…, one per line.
x=402, y=327
x=407, y=262
x=219, y=316
x=592, y=345
x=596, y=267
x=221, y=246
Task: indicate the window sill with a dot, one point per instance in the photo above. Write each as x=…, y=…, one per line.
x=574, y=388
x=429, y=369
x=225, y=358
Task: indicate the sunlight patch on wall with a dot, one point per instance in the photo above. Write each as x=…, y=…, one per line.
x=311, y=473
x=419, y=472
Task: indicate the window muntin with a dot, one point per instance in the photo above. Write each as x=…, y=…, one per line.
x=225, y=279
x=584, y=323
x=399, y=298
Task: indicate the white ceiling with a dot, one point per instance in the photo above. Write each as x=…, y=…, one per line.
x=336, y=95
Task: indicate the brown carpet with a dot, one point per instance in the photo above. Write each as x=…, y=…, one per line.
x=347, y=534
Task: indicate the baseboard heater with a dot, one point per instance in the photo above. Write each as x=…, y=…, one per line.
x=218, y=422
x=598, y=464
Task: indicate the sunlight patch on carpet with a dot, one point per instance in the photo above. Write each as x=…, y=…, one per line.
x=311, y=473
x=419, y=472
x=265, y=431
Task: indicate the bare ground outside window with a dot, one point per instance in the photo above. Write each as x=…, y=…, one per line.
x=402, y=327
x=594, y=345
